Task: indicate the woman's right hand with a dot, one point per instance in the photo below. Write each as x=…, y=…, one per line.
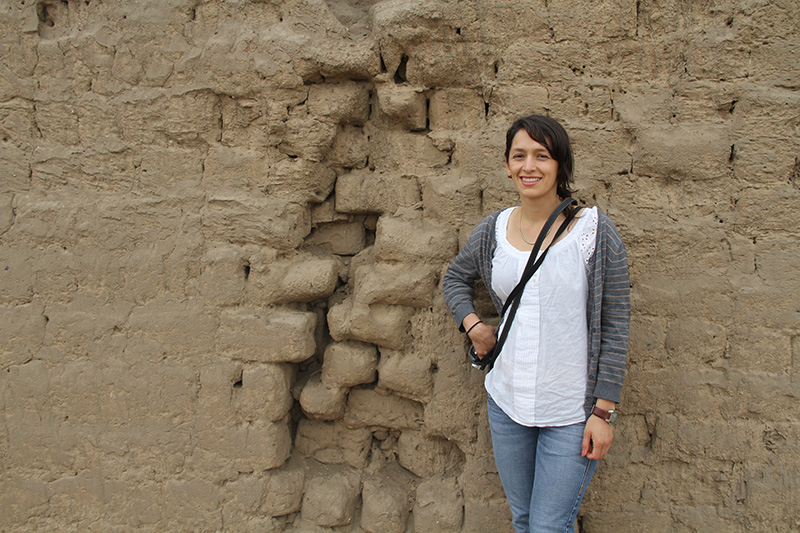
x=483, y=338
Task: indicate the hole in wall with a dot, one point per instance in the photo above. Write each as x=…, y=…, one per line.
x=400, y=75
x=45, y=13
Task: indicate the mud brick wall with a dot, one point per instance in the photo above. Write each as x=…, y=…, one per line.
x=223, y=226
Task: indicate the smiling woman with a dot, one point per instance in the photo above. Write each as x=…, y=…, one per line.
x=539, y=162
x=532, y=168
x=551, y=400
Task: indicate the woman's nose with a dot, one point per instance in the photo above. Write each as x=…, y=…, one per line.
x=530, y=163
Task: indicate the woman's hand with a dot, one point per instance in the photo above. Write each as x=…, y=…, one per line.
x=597, y=437
x=483, y=338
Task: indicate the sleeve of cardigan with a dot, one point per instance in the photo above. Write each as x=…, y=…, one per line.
x=614, y=317
x=458, y=284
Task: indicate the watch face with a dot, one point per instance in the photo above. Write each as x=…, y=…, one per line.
x=612, y=417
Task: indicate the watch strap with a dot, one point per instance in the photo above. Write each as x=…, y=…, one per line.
x=608, y=416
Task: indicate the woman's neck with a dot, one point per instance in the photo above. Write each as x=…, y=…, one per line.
x=536, y=211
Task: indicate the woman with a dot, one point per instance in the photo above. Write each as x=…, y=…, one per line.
x=554, y=388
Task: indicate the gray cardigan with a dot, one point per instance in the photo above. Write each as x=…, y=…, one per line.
x=608, y=309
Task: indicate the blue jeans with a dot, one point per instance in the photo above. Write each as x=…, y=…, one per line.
x=543, y=473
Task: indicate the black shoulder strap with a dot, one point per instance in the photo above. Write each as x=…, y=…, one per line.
x=533, y=264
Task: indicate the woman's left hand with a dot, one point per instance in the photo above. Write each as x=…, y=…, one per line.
x=597, y=438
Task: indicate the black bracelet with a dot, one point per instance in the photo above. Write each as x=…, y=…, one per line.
x=473, y=326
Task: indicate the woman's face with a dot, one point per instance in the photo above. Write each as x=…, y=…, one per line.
x=532, y=168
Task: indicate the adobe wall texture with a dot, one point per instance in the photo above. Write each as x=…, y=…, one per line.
x=223, y=226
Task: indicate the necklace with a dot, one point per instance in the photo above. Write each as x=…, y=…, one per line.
x=519, y=220
x=519, y=226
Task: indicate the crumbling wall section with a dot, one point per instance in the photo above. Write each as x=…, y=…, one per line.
x=223, y=226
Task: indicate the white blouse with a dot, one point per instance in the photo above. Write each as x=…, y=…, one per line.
x=540, y=377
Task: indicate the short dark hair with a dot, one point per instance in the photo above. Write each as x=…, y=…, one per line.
x=551, y=134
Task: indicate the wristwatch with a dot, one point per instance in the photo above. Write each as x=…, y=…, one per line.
x=608, y=416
